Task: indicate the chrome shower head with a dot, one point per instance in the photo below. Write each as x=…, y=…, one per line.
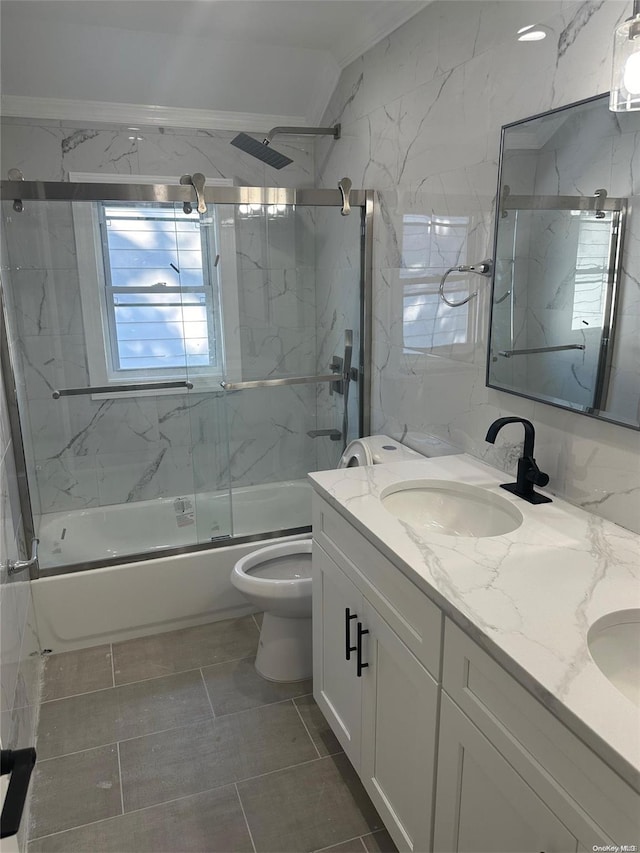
x=261, y=150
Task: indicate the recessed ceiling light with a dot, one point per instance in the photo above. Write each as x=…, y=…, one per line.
x=534, y=32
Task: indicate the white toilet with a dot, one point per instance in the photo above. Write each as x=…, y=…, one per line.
x=277, y=580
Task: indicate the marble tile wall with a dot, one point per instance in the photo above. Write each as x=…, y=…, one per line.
x=20, y=661
x=92, y=453
x=421, y=114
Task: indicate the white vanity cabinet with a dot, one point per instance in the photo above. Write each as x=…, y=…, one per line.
x=483, y=805
x=510, y=777
x=380, y=700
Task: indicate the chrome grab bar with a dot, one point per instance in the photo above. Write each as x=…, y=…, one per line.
x=107, y=389
x=507, y=353
x=274, y=383
x=15, y=566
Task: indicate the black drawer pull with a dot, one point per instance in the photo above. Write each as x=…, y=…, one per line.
x=348, y=648
x=359, y=665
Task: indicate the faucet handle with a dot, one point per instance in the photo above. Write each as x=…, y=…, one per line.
x=535, y=475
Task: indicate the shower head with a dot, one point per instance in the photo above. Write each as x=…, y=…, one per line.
x=261, y=150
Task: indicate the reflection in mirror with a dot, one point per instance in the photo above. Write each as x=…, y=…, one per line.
x=430, y=244
x=565, y=314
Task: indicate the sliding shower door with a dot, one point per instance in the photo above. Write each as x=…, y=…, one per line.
x=179, y=374
x=112, y=320
x=290, y=282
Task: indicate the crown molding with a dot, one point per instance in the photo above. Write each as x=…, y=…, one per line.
x=380, y=24
x=62, y=109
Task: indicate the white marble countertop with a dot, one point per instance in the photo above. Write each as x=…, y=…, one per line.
x=529, y=596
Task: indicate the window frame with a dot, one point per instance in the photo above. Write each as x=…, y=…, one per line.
x=99, y=336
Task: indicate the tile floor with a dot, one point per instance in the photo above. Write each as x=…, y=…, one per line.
x=174, y=743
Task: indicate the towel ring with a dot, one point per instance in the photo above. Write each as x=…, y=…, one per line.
x=484, y=268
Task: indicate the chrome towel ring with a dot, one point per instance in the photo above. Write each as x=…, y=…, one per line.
x=484, y=268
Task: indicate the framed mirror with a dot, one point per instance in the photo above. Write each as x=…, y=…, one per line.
x=565, y=308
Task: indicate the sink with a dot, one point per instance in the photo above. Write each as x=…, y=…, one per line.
x=614, y=644
x=450, y=508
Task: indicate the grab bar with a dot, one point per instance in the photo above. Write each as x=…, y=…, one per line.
x=107, y=389
x=507, y=353
x=274, y=383
x=15, y=566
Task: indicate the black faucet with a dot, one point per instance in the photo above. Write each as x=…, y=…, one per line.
x=528, y=472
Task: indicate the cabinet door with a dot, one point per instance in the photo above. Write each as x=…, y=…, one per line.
x=399, y=716
x=482, y=804
x=336, y=688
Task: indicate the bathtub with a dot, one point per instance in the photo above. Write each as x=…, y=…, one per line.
x=120, y=530
x=78, y=609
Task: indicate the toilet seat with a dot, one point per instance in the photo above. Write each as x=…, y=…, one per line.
x=285, y=580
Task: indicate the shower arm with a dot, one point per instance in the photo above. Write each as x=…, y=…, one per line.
x=303, y=131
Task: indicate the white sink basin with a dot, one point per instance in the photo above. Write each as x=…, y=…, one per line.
x=614, y=643
x=450, y=508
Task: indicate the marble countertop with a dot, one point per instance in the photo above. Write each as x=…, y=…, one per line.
x=528, y=597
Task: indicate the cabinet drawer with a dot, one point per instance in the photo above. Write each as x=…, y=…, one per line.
x=567, y=772
x=407, y=610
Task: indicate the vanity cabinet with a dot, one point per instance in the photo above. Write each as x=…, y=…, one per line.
x=510, y=777
x=483, y=805
x=538, y=767
x=379, y=699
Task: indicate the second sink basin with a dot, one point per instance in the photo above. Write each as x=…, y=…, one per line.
x=614, y=644
x=451, y=508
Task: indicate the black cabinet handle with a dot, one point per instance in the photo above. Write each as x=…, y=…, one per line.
x=359, y=665
x=348, y=648
x=19, y=763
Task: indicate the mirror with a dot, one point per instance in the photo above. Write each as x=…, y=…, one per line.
x=565, y=310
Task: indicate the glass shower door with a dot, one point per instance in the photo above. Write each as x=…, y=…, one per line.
x=289, y=280
x=107, y=304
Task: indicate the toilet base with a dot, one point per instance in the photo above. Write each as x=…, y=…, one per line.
x=284, y=649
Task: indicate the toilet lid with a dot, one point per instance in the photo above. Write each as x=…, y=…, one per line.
x=287, y=568
x=356, y=454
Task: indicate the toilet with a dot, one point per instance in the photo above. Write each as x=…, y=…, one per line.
x=277, y=580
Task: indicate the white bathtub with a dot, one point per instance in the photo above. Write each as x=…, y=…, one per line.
x=79, y=609
x=80, y=536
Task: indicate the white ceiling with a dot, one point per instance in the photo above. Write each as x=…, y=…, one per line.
x=272, y=58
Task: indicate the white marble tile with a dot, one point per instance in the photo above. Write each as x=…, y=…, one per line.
x=47, y=302
x=162, y=471
x=34, y=148
x=40, y=238
x=444, y=160
x=66, y=483
x=92, y=150
x=209, y=152
x=51, y=362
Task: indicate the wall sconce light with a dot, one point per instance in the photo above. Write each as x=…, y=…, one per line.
x=625, y=77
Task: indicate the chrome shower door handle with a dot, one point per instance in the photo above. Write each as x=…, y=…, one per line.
x=197, y=181
x=345, y=190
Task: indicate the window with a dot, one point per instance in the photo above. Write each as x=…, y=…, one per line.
x=157, y=301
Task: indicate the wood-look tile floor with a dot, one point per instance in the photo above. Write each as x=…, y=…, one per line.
x=174, y=743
